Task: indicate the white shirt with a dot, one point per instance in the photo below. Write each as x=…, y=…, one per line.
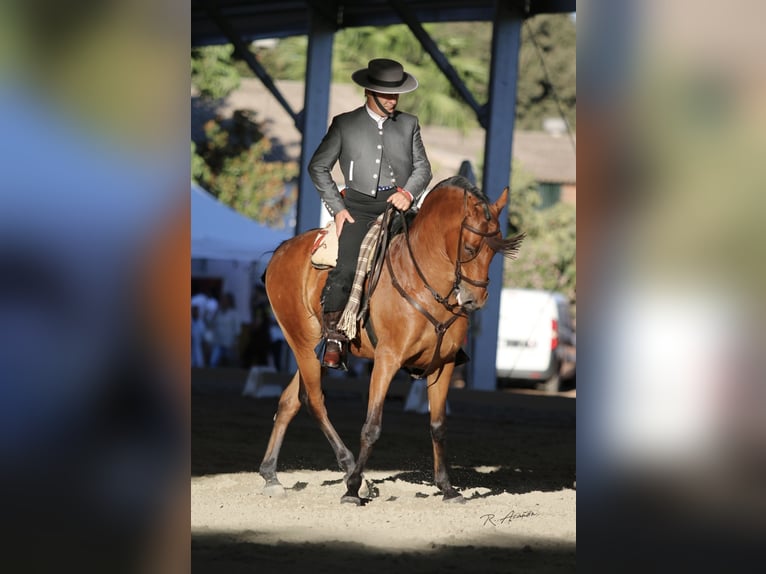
x=380, y=120
x=376, y=117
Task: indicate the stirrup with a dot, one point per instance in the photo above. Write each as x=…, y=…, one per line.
x=321, y=351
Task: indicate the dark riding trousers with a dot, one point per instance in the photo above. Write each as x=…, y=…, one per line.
x=365, y=210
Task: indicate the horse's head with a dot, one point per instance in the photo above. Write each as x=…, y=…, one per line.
x=471, y=234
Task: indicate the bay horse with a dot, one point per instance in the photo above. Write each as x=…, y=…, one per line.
x=433, y=276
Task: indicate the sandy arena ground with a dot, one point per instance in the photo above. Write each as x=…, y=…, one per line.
x=512, y=457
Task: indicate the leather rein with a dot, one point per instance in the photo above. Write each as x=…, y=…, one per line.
x=456, y=309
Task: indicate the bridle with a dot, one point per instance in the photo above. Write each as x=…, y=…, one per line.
x=456, y=309
x=459, y=276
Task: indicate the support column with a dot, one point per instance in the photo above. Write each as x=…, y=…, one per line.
x=315, y=109
x=501, y=108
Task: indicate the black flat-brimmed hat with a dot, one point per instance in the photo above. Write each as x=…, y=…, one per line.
x=385, y=76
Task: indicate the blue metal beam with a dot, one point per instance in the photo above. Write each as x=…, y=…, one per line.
x=506, y=42
x=315, y=109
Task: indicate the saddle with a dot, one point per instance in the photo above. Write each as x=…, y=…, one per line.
x=324, y=251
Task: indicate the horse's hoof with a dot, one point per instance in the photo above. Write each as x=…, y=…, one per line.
x=274, y=490
x=350, y=499
x=456, y=498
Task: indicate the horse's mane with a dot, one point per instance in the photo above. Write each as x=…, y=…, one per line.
x=463, y=183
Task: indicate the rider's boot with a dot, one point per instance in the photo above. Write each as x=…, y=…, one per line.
x=336, y=342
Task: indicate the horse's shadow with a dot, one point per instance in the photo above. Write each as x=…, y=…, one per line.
x=483, y=484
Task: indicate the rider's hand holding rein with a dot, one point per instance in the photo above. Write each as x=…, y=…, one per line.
x=402, y=200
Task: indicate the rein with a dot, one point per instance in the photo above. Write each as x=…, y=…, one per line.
x=456, y=309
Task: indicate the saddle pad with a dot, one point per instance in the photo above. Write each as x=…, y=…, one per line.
x=324, y=252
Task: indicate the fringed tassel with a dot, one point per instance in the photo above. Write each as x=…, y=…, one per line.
x=347, y=323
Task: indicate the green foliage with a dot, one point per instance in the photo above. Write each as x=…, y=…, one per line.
x=200, y=171
x=287, y=61
x=547, y=258
x=213, y=71
x=232, y=165
x=556, y=35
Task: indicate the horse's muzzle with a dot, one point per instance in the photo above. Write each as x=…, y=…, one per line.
x=467, y=300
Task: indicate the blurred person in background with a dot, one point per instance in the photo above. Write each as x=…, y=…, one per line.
x=259, y=345
x=225, y=326
x=207, y=303
x=197, y=335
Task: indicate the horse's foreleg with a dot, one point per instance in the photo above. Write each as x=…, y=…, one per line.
x=437, y=400
x=382, y=373
x=289, y=405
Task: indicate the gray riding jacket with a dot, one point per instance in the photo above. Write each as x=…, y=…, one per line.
x=370, y=157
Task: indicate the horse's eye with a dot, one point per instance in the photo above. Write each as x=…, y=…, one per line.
x=470, y=250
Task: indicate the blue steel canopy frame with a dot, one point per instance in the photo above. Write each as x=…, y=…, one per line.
x=212, y=24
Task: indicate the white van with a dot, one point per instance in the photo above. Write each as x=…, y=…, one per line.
x=536, y=339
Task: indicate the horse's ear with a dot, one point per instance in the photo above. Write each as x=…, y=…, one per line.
x=498, y=206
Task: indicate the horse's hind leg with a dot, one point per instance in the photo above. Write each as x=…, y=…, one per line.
x=312, y=396
x=289, y=405
x=437, y=400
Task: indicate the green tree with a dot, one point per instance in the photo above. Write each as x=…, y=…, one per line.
x=233, y=161
x=547, y=258
x=213, y=71
x=556, y=36
x=232, y=164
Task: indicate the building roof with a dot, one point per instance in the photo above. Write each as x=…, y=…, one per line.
x=550, y=158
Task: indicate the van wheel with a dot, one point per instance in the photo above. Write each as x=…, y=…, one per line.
x=550, y=386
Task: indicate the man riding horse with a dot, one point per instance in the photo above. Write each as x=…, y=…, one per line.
x=384, y=162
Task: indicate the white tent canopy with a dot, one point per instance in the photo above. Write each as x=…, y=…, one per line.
x=219, y=232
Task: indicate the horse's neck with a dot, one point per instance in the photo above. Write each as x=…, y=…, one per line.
x=427, y=248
